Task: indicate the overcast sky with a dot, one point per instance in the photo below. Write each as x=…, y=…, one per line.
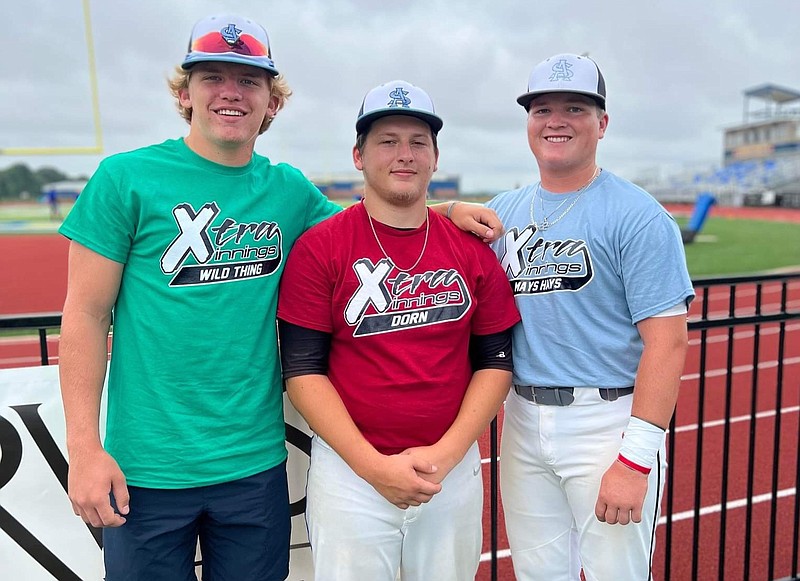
x=675, y=73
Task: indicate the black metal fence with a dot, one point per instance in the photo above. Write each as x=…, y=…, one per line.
x=41, y=322
x=742, y=415
x=730, y=509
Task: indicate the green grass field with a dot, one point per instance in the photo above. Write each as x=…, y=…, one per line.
x=31, y=211
x=725, y=246
x=728, y=246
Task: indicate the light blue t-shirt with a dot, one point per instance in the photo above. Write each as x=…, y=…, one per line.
x=613, y=259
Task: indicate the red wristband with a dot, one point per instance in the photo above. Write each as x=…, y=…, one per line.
x=633, y=465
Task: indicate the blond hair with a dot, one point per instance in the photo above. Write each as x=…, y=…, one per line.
x=279, y=88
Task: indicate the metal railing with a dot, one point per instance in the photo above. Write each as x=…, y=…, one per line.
x=41, y=322
x=753, y=546
x=751, y=331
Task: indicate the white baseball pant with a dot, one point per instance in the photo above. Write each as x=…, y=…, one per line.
x=551, y=462
x=357, y=534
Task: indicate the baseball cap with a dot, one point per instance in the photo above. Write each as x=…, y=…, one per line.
x=566, y=73
x=397, y=98
x=229, y=38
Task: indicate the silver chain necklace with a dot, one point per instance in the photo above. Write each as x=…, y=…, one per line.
x=546, y=223
x=422, y=252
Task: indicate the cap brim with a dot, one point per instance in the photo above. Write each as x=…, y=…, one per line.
x=230, y=57
x=525, y=99
x=363, y=122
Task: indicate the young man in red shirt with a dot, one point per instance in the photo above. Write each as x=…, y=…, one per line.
x=396, y=345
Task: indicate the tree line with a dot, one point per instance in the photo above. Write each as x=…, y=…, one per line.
x=20, y=181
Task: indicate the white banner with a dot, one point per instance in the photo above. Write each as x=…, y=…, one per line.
x=40, y=537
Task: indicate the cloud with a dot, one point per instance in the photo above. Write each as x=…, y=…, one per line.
x=675, y=73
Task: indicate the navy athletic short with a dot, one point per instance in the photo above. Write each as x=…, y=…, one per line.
x=243, y=527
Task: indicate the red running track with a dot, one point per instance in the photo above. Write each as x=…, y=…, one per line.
x=34, y=274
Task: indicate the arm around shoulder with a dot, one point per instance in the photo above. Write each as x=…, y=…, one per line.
x=471, y=217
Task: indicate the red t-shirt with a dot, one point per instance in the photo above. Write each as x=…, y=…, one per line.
x=399, y=355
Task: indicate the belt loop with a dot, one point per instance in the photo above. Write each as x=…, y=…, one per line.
x=614, y=393
x=562, y=401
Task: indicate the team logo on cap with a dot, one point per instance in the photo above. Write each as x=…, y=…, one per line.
x=561, y=71
x=398, y=98
x=231, y=34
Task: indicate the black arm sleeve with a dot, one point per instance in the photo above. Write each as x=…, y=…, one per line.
x=303, y=351
x=491, y=351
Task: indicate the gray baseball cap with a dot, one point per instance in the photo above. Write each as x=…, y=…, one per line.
x=566, y=73
x=397, y=98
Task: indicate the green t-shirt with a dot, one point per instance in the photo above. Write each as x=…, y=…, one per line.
x=194, y=388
